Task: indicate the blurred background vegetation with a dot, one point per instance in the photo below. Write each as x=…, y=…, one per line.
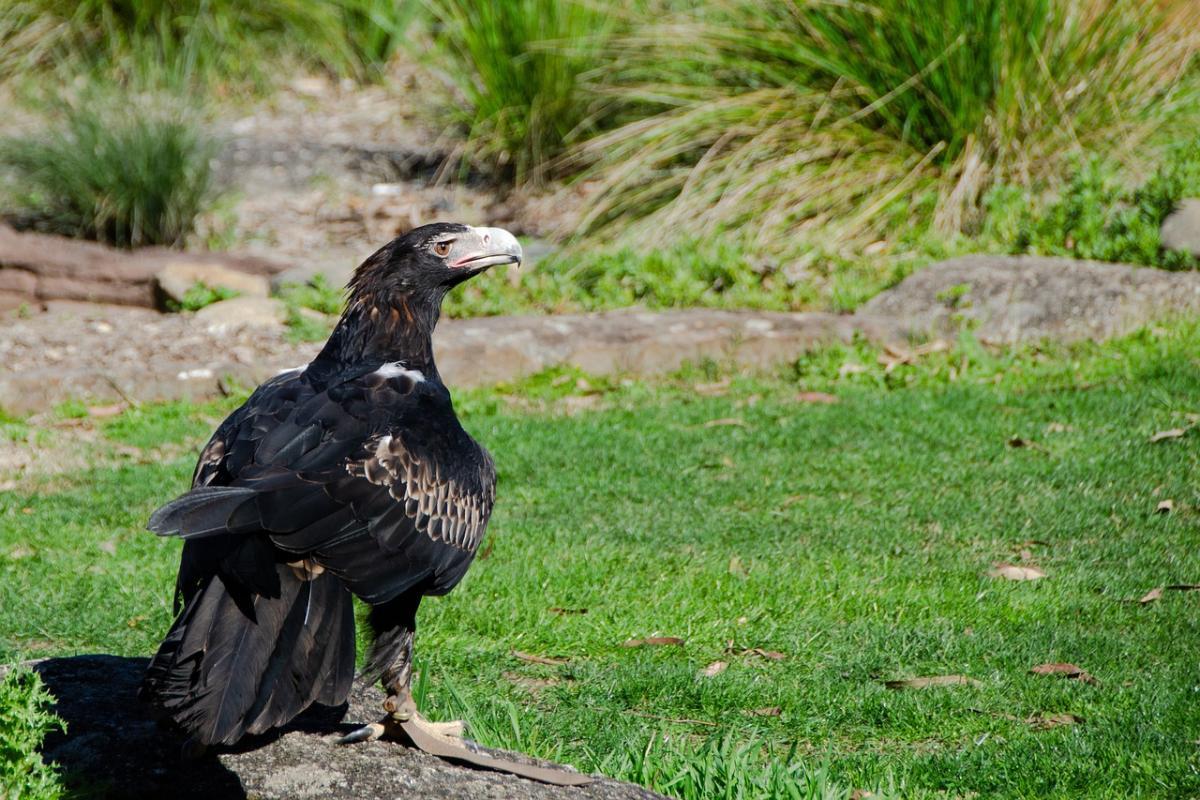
x=767, y=153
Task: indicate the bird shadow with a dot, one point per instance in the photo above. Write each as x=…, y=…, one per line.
x=114, y=747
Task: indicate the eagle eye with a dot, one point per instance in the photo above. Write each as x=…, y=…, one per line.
x=442, y=248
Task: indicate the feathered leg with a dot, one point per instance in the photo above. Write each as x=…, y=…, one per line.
x=390, y=660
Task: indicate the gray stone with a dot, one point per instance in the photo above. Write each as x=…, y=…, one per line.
x=1010, y=299
x=114, y=748
x=56, y=355
x=1181, y=229
x=176, y=278
x=335, y=272
x=242, y=312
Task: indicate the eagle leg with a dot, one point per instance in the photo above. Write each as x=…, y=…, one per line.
x=391, y=653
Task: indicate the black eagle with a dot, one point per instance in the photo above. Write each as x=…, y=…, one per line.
x=348, y=477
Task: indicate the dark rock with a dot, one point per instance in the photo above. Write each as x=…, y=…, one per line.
x=1181, y=229
x=1008, y=299
x=113, y=748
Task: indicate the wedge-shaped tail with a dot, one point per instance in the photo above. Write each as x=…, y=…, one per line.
x=222, y=673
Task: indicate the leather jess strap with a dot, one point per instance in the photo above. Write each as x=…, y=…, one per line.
x=437, y=747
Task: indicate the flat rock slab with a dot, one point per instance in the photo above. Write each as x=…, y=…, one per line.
x=1011, y=299
x=112, y=748
x=106, y=354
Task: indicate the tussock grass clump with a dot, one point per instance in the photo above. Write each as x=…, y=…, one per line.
x=109, y=174
x=199, y=41
x=25, y=719
x=517, y=66
x=777, y=116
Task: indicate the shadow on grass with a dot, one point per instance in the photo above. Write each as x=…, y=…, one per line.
x=113, y=747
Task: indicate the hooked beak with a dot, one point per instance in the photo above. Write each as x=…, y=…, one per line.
x=481, y=248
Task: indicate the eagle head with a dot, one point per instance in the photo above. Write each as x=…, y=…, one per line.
x=433, y=258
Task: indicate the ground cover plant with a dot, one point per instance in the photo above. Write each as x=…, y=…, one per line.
x=735, y=586
x=25, y=719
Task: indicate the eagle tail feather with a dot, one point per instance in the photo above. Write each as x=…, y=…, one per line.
x=221, y=674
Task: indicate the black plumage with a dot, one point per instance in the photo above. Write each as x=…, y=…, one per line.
x=351, y=476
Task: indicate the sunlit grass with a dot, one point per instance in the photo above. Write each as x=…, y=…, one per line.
x=852, y=537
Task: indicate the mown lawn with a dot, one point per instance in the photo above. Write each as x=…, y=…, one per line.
x=849, y=543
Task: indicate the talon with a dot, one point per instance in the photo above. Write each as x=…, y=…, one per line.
x=367, y=733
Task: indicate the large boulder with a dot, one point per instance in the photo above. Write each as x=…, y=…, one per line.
x=1181, y=229
x=113, y=748
x=1009, y=299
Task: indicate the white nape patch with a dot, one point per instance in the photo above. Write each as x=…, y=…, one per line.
x=300, y=368
x=396, y=369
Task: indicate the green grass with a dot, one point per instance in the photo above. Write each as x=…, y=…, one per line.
x=109, y=170
x=854, y=538
x=517, y=67
x=25, y=719
x=775, y=120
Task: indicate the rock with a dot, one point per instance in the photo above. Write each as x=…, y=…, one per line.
x=1181, y=229
x=242, y=312
x=1009, y=299
x=37, y=267
x=336, y=273
x=491, y=349
x=177, y=277
x=112, y=742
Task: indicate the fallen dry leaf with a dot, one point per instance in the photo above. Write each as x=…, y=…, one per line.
x=726, y=422
x=535, y=659
x=106, y=411
x=767, y=711
x=1173, y=433
x=1184, y=587
x=736, y=567
x=1066, y=670
x=770, y=655
x=1026, y=555
x=567, y=611
x=526, y=682
x=861, y=794
x=1013, y=572
x=654, y=641
x=1042, y=721
x=1058, y=427
x=714, y=669
x=931, y=680
x=823, y=398
x=1165, y=507
x=1151, y=596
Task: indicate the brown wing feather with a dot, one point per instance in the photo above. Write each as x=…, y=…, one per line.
x=452, y=510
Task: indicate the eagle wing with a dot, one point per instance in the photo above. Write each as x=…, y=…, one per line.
x=370, y=477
